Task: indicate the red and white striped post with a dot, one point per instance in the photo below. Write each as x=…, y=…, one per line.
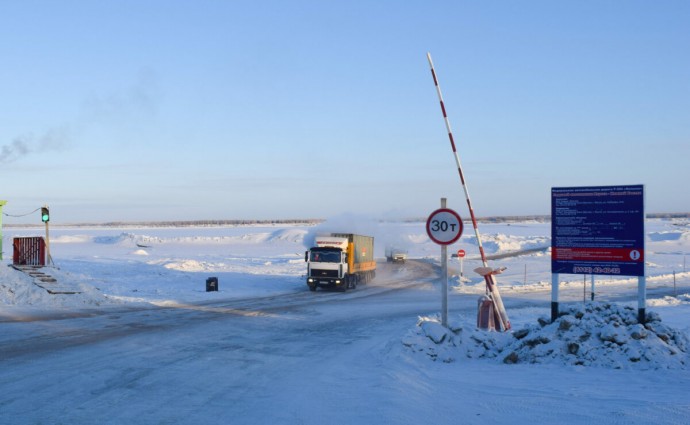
x=489, y=278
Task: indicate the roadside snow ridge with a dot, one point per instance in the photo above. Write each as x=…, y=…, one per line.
x=598, y=335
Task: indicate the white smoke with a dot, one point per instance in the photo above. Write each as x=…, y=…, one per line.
x=345, y=223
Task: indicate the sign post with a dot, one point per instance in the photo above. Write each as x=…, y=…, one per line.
x=598, y=230
x=461, y=256
x=444, y=227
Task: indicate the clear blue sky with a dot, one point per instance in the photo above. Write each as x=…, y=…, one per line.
x=174, y=110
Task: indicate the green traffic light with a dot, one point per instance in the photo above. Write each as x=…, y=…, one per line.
x=45, y=215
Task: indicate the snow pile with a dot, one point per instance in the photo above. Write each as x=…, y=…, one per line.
x=124, y=238
x=500, y=243
x=288, y=235
x=597, y=334
x=18, y=289
x=670, y=301
x=666, y=236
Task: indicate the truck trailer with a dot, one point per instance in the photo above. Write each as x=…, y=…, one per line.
x=341, y=261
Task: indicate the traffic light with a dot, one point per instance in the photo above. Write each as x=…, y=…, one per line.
x=45, y=214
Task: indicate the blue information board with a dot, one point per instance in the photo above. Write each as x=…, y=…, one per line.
x=598, y=230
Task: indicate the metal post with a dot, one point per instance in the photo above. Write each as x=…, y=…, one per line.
x=675, y=294
x=444, y=279
x=525, y=274
x=48, y=257
x=642, y=280
x=554, y=297
x=641, y=299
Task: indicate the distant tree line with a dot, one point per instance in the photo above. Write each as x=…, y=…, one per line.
x=186, y=223
x=311, y=221
x=214, y=223
x=538, y=218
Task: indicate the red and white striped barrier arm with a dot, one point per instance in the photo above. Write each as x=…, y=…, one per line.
x=490, y=281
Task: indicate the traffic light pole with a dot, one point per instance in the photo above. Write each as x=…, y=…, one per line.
x=49, y=258
x=45, y=217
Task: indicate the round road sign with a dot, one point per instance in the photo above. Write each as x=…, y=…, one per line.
x=461, y=253
x=444, y=226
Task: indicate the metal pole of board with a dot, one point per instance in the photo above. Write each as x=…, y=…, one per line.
x=641, y=299
x=444, y=280
x=642, y=280
x=554, y=297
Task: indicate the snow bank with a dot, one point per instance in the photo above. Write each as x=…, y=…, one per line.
x=596, y=334
x=18, y=289
x=669, y=301
x=501, y=243
x=288, y=235
x=673, y=235
x=291, y=235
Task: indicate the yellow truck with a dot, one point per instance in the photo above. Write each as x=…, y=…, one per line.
x=341, y=261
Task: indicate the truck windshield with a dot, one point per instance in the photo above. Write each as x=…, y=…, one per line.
x=325, y=257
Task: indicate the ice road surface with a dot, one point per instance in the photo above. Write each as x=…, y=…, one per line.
x=144, y=343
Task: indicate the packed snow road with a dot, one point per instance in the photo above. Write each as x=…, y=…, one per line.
x=296, y=358
x=300, y=357
x=143, y=343
x=224, y=357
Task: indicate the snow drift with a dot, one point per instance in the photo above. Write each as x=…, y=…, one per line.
x=595, y=334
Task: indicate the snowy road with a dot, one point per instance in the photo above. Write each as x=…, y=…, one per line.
x=168, y=363
x=297, y=358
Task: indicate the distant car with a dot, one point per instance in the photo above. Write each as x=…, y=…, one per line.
x=396, y=255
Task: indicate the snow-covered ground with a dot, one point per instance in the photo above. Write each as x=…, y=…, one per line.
x=133, y=345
